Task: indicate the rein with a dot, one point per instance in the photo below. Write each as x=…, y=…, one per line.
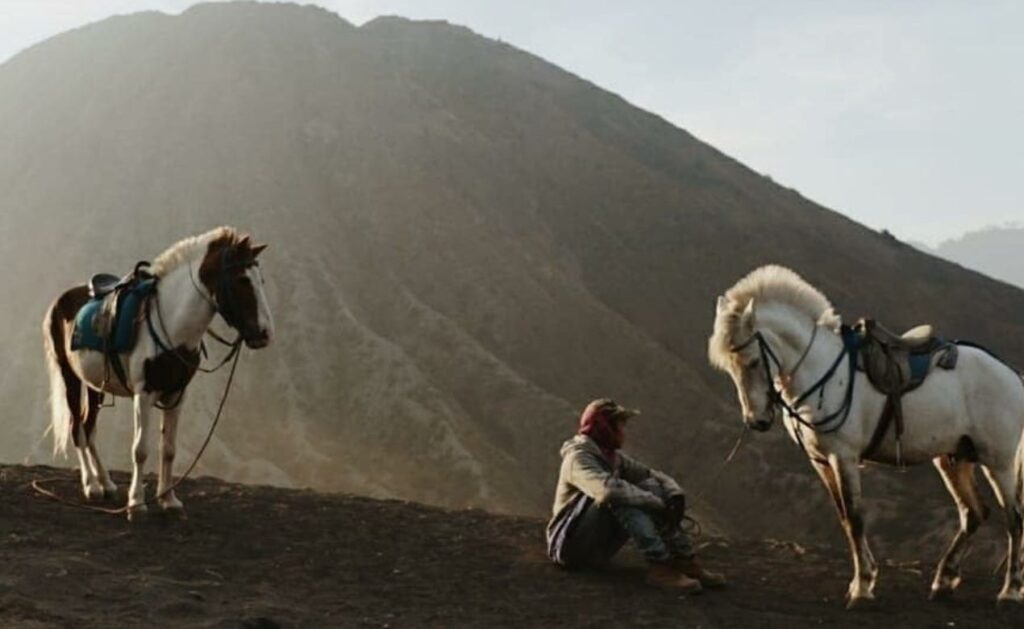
x=235, y=351
x=236, y=345
x=721, y=468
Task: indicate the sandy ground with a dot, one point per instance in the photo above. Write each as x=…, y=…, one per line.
x=266, y=557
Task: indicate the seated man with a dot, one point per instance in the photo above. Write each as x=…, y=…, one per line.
x=605, y=498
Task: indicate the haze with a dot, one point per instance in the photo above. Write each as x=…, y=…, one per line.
x=902, y=117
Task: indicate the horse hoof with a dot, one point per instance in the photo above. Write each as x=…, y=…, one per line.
x=941, y=594
x=175, y=511
x=1009, y=599
x=136, y=512
x=860, y=602
x=93, y=492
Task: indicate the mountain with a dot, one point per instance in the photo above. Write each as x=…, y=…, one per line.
x=467, y=244
x=265, y=557
x=996, y=251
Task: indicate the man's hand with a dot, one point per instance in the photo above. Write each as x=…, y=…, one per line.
x=658, y=505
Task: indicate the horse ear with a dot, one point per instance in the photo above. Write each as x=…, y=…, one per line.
x=244, y=243
x=257, y=250
x=748, y=313
x=722, y=306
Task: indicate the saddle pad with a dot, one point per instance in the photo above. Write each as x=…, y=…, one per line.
x=920, y=365
x=123, y=337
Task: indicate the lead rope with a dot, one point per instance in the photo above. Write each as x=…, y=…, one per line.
x=721, y=468
x=37, y=485
x=695, y=530
x=235, y=345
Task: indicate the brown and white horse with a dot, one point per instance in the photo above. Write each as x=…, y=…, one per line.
x=197, y=278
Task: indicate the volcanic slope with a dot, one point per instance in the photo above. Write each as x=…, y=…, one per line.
x=467, y=244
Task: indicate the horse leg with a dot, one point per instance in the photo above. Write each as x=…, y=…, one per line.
x=828, y=477
x=831, y=481
x=168, y=434
x=865, y=569
x=91, y=487
x=95, y=402
x=962, y=485
x=1004, y=481
x=137, y=493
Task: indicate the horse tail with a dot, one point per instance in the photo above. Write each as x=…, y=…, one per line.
x=57, y=366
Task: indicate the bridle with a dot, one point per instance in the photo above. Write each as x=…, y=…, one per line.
x=223, y=301
x=831, y=422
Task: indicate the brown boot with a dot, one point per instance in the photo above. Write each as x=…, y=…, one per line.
x=692, y=568
x=668, y=575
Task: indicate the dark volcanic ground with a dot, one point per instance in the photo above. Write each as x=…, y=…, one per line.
x=267, y=557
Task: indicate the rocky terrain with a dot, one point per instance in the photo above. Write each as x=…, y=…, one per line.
x=467, y=244
x=264, y=557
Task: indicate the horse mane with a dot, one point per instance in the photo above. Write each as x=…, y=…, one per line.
x=186, y=249
x=767, y=284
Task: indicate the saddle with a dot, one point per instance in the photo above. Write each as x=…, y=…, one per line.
x=102, y=284
x=896, y=364
x=107, y=322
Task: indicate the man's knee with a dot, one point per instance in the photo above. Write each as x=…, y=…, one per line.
x=652, y=485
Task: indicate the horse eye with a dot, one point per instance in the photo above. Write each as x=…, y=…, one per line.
x=754, y=363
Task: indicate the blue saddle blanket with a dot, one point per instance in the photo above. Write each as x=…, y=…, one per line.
x=920, y=365
x=122, y=338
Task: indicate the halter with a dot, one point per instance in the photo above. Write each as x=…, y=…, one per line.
x=222, y=302
x=829, y=423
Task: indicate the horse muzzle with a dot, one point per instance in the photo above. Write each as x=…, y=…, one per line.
x=257, y=340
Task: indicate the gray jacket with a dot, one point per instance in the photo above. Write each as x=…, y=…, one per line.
x=586, y=470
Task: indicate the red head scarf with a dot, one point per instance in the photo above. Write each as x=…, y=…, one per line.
x=598, y=422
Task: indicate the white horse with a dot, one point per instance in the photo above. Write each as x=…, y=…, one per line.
x=779, y=338
x=197, y=278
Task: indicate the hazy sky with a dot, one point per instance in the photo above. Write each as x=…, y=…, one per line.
x=904, y=115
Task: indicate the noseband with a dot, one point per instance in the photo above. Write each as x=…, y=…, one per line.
x=831, y=422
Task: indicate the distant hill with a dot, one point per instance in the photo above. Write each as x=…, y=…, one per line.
x=997, y=252
x=467, y=244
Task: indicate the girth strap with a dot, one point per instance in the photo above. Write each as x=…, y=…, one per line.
x=892, y=412
x=115, y=364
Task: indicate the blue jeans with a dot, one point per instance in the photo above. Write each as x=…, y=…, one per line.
x=603, y=530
